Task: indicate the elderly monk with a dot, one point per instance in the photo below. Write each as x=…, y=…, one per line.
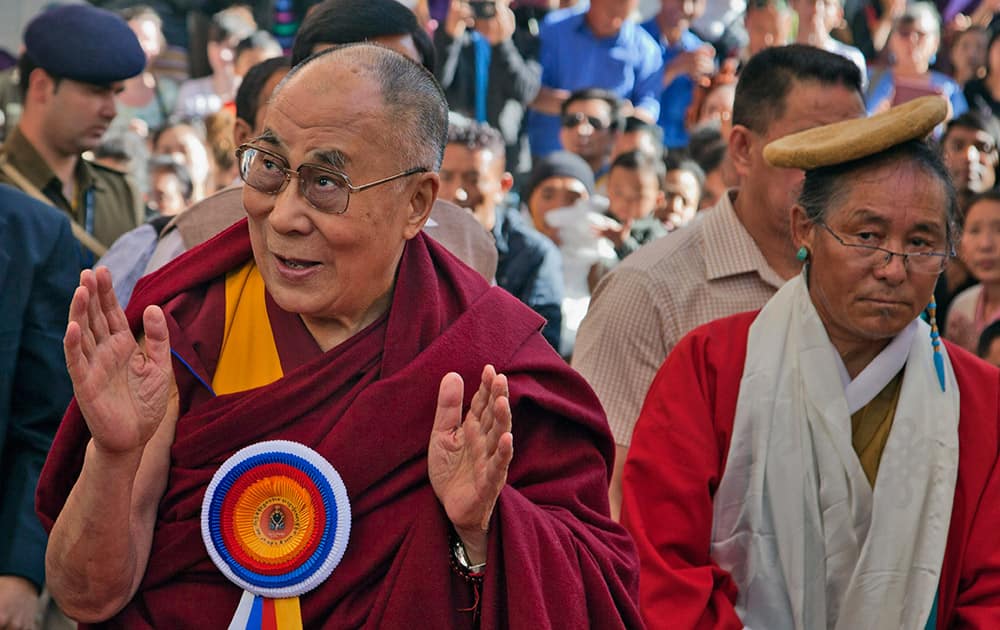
x=328, y=319
x=827, y=462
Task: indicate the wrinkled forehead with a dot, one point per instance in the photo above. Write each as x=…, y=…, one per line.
x=903, y=194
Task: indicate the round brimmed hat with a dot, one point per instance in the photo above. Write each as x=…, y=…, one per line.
x=850, y=140
x=84, y=43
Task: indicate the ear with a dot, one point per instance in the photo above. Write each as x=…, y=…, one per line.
x=740, y=146
x=421, y=201
x=40, y=85
x=661, y=199
x=242, y=132
x=803, y=229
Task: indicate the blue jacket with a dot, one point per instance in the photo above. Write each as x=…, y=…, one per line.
x=529, y=267
x=39, y=267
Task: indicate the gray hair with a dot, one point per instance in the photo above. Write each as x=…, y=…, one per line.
x=826, y=187
x=415, y=106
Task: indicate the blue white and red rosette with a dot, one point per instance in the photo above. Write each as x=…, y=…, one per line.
x=275, y=521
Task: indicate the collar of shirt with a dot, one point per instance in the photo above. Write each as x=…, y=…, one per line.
x=729, y=248
x=688, y=42
x=26, y=159
x=583, y=28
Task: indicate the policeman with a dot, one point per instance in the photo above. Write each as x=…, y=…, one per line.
x=75, y=62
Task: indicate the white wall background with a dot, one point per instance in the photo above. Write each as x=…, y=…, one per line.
x=14, y=15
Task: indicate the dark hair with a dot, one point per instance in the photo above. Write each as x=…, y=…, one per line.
x=476, y=136
x=634, y=123
x=994, y=36
x=642, y=163
x=112, y=147
x=415, y=103
x=195, y=124
x=258, y=40
x=25, y=66
x=826, y=186
x=248, y=95
x=680, y=163
x=169, y=164
x=228, y=24
x=988, y=195
x=986, y=338
x=771, y=74
x=354, y=21
x=979, y=121
x=597, y=94
x=707, y=147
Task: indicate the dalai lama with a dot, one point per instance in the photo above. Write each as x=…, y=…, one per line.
x=828, y=462
x=286, y=438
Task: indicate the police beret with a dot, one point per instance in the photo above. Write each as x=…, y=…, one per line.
x=84, y=43
x=854, y=139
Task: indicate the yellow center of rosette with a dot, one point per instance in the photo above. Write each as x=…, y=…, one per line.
x=273, y=519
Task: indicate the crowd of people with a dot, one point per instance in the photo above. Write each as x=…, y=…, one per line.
x=489, y=313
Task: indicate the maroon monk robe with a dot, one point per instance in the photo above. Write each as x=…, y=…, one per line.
x=555, y=558
x=678, y=456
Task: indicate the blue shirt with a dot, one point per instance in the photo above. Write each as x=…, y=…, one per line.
x=882, y=88
x=676, y=97
x=572, y=58
x=529, y=267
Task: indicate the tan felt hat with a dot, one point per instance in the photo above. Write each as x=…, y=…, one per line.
x=849, y=140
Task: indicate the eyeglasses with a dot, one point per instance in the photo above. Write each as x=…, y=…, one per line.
x=325, y=189
x=573, y=121
x=921, y=260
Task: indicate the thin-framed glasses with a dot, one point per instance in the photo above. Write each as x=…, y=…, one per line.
x=324, y=188
x=929, y=262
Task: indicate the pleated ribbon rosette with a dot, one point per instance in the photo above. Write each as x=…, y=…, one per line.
x=275, y=521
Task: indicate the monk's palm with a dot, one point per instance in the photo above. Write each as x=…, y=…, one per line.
x=468, y=461
x=122, y=388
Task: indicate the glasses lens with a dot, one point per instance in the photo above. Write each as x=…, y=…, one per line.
x=927, y=264
x=325, y=190
x=261, y=171
x=571, y=120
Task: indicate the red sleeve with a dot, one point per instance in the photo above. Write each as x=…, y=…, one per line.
x=972, y=539
x=673, y=468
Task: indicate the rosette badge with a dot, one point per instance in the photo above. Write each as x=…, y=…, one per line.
x=275, y=521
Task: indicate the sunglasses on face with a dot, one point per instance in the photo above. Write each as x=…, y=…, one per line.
x=573, y=121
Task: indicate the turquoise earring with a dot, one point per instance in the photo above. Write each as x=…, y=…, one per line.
x=936, y=343
x=803, y=254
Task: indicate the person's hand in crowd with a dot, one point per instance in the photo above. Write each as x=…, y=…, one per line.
x=617, y=234
x=467, y=461
x=694, y=63
x=18, y=603
x=123, y=388
x=458, y=19
x=500, y=27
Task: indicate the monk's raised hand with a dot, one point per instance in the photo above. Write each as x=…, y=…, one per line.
x=467, y=461
x=122, y=387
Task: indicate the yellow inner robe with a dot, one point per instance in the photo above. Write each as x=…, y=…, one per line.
x=871, y=424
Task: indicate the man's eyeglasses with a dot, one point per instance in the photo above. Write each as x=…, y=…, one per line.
x=919, y=260
x=573, y=121
x=325, y=189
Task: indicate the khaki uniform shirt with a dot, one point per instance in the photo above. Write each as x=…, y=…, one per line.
x=106, y=204
x=710, y=269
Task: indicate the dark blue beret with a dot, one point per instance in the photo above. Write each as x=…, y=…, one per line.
x=84, y=43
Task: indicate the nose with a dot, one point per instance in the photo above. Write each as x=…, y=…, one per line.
x=972, y=153
x=109, y=107
x=894, y=272
x=289, y=212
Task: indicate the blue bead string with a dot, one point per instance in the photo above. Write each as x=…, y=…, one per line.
x=936, y=343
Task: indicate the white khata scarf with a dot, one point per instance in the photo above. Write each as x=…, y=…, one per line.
x=796, y=523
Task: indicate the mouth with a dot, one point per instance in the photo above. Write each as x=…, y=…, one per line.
x=885, y=302
x=295, y=264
